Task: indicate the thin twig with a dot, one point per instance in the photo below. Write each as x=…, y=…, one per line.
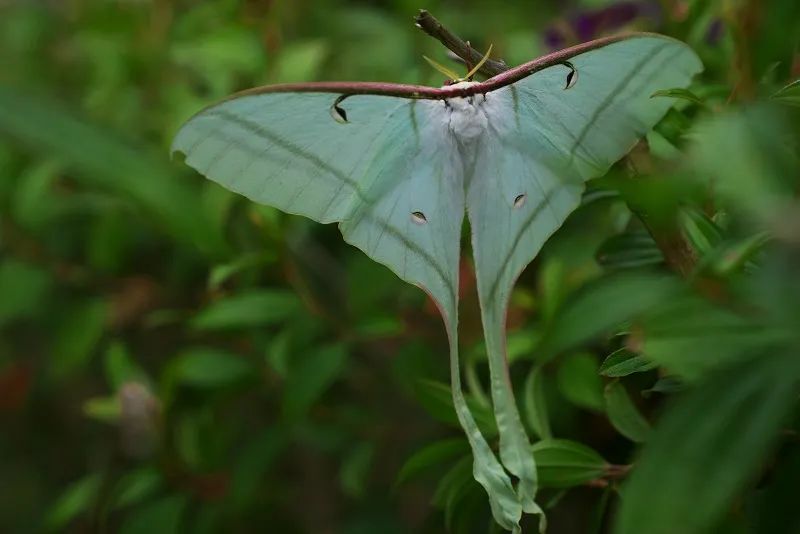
x=428, y=23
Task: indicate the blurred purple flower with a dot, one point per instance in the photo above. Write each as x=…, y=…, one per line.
x=588, y=25
x=715, y=31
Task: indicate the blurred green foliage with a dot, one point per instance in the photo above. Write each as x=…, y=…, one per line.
x=175, y=359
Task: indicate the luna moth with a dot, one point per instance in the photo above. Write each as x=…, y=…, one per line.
x=397, y=167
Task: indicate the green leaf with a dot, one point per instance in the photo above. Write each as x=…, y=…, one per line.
x=744, y=155
x=163, y=515
x=437, y=399
x=562, y=463
x=623, y=362
x=355, y=470
x=733, y=257
x=120, y=366
x=222, y=272
x=23, y=288
x=789, y=95
x=300, y=61
x=621, y=297
x=311, y=377
x=689, y=336
x=78, y=334
x=209, y=368
x=430, y=457
x=135, y=486
x=535, y=404
x=700, y=230
x=378, y=326
x=681, y=94
x=453, y=487
x=665, y=385
x=777, y=510
x=662, y=148
x=707, y=446
x=34, y=204
x=75, y=500
x=248, y=310
x=253, y=463
x=632, y=249
x=106, y=409
x=624, y=415
x=111, y=164
x=579, y=382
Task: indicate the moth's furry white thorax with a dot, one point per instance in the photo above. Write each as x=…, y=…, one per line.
x=468, y=118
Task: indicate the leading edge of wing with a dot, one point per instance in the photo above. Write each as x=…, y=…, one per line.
x=440, y=93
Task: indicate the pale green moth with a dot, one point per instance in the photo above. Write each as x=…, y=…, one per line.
x=396, y=166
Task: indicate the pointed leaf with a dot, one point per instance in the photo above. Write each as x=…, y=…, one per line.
x=698, y=458
x=623, y=362
x=624, y=415
x=431, y=456
x=563, y=463
x=246, y=310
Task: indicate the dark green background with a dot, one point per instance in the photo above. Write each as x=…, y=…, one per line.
x=176, y=359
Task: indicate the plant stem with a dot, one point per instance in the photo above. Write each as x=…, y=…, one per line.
x=430, y=25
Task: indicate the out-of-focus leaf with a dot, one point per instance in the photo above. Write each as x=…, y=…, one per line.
x=624, y=415
x=777, y=510
x=552, y=287
x=561, y=463
x=661, y=147
x=674, y=126
x=603, y=305
x=430, y=457
x=789, y=95
x=733, y=257
x=745, y=158
x=106, y=409
x=209, y=368
x=278, y=352
x=219, y=56
x=223, y=272
x=579, y=382
x=135, y=486
x=689, y=336
x=535, y=404
x=377, y=327
x=300, y=61
x=354, y=470
x=77, y=336
x=164, y=515
x=111, y=164
x=629, y=250
x=697, y=457
x=623, y=362
x=23, y=288
x=75, y=500
x=665, y=385
x=520, y=344
x=453, y=486
x=311, y=377
x=120, y=366
x=437, y=400
x=252, y=309
x=34, y=204
x=253, y=462
x=701, y=231
x=681, y=94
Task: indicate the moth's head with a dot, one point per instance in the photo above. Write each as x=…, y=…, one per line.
x=453, y=77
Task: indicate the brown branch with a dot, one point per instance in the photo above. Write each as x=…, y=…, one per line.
x=428, y=23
